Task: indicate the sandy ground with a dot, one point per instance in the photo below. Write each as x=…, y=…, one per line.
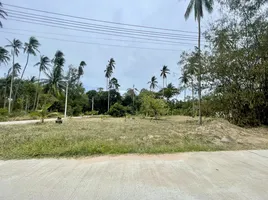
x=202, y=176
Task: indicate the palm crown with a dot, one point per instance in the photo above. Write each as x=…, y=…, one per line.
x=197, y=6
x=32, y=46
x=153, y=82
x=43, y=63
x=164, y=71
x=16, y=45
x=4, y=56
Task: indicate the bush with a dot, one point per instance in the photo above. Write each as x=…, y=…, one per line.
x=34, y=115
x=153, y=107
x=93, y=112
x=117, y=110
x=53, y=114
x=3, y=112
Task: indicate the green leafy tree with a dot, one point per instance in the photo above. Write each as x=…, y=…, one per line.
x=153, y=107
x=198, y=6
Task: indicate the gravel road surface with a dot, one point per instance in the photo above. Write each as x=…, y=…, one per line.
x=203, y=175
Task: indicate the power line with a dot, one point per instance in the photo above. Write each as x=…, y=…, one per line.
x=88, y=31
x=110, y=39
x=56, y=22
x=27, y=14
x=93, y=43
x=102, y=21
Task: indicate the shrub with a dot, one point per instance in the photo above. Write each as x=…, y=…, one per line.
x=153, y=107
x=117, y=110
x=34, y=115
x=3, y=112
x=53, y=114
x=93, y=112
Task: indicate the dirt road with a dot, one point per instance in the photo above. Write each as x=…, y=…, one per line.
x=217, y=175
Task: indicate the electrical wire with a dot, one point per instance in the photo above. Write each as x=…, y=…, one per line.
x=27, y=14
x=102, y=21
x=88, y=31
x=93, y=43
x=66, y=24
x=96, y=38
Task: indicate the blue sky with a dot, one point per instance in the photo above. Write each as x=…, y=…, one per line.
x=133, y=66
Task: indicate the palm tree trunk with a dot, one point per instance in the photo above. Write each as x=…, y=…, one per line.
x=36, y=92
x=11, y=83
x=193, y=115
x=22, y=74
x=5, y=93
x=199, y=73
x=163, y=87
x=108, y=88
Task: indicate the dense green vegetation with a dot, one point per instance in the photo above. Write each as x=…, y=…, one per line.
x=229, y=75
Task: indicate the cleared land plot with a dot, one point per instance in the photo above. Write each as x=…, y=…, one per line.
x=93, y=136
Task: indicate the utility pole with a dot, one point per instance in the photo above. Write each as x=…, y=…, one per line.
x=66, y=99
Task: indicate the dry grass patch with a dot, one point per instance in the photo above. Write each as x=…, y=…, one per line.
x=91, y=136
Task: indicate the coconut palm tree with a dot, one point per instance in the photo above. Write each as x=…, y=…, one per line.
x=53, y=82
x=16, y=70
x=184, y=80
x=170, y=91
x=114, y=84
x=81, y=69
x=4, y=56
x=153, y=83
x=132, y=92
x=197, y=6
x=15, y=46
x=43, y=65
x=30, y=48
x=164, y=73
x=3, y=14
x=108, y=73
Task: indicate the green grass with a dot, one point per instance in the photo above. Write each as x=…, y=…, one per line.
x=97, y=136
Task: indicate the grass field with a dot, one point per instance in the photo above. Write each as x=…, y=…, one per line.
x=95, y=136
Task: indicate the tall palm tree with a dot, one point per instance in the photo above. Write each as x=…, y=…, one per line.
x=3, y=14
x=30, y=48
x=15, y=46
x=43, y=64
x=108, y=73
x=184, y=80
x=164, y=73
x=114, y=84
x=132, y=92
x=197, y=6
x=53, y=82
x=16, y=70
x=153, y=83
x=4, y=56
x=81, y=69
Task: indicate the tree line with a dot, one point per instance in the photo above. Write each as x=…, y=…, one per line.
x=229, y=75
